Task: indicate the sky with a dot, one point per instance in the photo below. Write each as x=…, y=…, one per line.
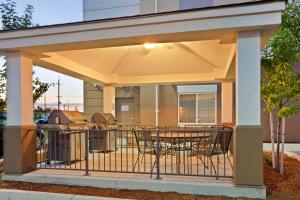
x=48, y=12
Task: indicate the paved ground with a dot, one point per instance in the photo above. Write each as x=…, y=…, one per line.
x=128, y=160
x=137, y=182
x=8, y=194
x=292, y=150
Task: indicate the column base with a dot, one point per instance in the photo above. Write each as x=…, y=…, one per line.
x=19, y=149
x=248, y=156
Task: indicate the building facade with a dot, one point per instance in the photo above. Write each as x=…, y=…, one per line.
x=155, y=63
x=140, y=100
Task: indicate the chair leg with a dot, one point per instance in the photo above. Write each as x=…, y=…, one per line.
x=136, y=162
x=217, y=175
x=142, y=158
x=200, y=158
x=152, y=168
x=229, y=161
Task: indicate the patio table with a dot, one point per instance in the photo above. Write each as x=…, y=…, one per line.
x=176, y=139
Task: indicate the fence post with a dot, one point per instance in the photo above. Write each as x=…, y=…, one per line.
x=86, y=153
x=157, y=156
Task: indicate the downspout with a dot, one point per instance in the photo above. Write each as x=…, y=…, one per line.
x=156, y=6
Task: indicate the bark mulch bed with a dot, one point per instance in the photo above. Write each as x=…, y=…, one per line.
x=90, y=191
x=282, y=187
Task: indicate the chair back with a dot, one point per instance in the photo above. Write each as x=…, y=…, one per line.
x=145, y=137
x=222, y=140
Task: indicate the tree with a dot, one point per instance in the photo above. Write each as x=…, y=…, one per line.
x=11, y=20
x=280, y=85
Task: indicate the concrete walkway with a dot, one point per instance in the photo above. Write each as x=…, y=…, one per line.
x=293, y=150
x=6, y=194
x=188, y=185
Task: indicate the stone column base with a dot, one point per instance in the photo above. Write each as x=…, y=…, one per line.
x=248, y=156
x=19, y=149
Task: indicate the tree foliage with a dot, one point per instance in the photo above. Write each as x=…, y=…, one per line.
x=11, y=20
x=280, y=84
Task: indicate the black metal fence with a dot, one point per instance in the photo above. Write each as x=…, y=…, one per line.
x=193, y=151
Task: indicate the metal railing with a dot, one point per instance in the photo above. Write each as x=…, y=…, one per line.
x=197, y=151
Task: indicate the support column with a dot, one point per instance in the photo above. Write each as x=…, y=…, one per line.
x=227, y=102
x=248, y=138
x=109, y=96
x=19, y=135
x=156, y=105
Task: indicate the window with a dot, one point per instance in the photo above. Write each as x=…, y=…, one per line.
x=197, y=108
x=206, y=108
x=187, y=109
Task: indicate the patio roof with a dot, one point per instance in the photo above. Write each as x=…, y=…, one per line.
x=202, y=39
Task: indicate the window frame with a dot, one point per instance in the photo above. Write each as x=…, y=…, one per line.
x=197, y=106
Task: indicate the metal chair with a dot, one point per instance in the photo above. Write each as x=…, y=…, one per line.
x=149, y=147
x=220, y=146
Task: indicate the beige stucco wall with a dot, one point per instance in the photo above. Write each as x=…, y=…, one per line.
x=248, y=155
x=148, y=6
x=224, y=2
x=130, y=92
x=168, y=105
x=92, y=99
x=144, y=103
x=102, y=9
x=292, y=128
x=168, y=5
x=227, y=101
x=147, y=105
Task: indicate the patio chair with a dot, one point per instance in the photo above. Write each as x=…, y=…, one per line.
x=149, y=147
x=220, y=146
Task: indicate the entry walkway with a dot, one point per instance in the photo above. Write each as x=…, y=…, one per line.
x=293, y=150
x=184, y=185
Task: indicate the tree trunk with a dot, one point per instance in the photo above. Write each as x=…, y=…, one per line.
x=278, y=144
x=272, y=139
x=282, y=145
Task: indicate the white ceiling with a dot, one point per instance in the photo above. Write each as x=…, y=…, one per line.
x=165, y=59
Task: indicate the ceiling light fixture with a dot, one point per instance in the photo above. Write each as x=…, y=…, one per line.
x=150, y=45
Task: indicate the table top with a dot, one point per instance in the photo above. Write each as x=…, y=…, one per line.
x=170, y=135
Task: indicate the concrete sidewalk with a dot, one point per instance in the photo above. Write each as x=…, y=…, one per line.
x=6, y=194
x=292, y=150
x=190, y=185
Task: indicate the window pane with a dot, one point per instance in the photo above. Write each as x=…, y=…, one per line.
x=206, y=108
x=187, y=108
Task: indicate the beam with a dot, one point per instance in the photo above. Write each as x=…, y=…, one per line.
x=66, y=66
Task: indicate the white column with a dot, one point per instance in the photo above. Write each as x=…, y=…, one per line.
x=109, y=95
x=19, y=90
x=248, y=78
x=227, y=102
x=156, y=105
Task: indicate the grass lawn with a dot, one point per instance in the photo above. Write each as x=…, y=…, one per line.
x=279, y=187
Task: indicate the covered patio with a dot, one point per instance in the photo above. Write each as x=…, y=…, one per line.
x=203, y=46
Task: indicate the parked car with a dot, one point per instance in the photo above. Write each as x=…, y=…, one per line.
x=42, y=121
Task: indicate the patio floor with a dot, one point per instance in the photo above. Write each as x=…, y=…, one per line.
x=124, y=161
